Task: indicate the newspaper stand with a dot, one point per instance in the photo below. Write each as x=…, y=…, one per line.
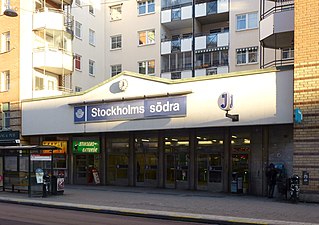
x=24, y=167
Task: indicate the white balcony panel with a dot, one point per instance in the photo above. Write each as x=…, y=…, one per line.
x=284, y=21
x=200, y=72
x=166, y=16
x=200, y=42
x=52, y=20
x=279, y=22
x=166, y=75
x=222, y=39
x=166, y=47
x=54, y=61
x=200, y=10
x=186, y=44
x=222, y=6
x=186, y=12
x=222, y=69
x=186, y=74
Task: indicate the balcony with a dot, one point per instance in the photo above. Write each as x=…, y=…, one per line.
x=211, y=11
x=175, y=16
x=211, y=41
x=53, y=60
x=277, y=25
x=52, y=19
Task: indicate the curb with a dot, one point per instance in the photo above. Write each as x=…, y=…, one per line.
x=153, y=214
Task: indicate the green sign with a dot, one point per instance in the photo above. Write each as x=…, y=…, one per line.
x=86, y=147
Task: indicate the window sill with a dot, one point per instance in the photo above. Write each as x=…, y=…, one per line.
x=146, y=14
x=247, y=64
x=115, y=49
x=146, y=45
x=247, y=29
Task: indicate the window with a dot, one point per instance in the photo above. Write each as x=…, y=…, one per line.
x=77, y=61
x=116, y=12
x=39, y=84
x=212, y=7
x=5, y=81
x=78, y=29
x=146, y=67
x=287, y=53
x=176, y=75
x=247, y=55
x=78, y=2
x=146, y=37
x=116, y=69
x=92, y=37
x=91, y=9
x=5, y=115
x=145, y=7
x=5, y=42
x=78, y=89
x=91, y=67
x=247, y=21
x=116, y=42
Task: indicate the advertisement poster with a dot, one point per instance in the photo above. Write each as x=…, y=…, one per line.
x=60, y=184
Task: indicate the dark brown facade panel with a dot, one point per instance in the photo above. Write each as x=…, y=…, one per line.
x=309, y=191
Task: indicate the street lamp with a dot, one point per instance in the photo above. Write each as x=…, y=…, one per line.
x=10, y=12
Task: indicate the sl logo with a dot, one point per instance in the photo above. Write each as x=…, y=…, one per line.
x=225, y=101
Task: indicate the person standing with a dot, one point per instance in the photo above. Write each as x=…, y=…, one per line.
x=271, y=175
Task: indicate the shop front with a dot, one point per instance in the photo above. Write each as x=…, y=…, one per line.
x=86, y=155
x=177, y=134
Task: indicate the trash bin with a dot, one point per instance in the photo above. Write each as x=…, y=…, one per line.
x=57, y=183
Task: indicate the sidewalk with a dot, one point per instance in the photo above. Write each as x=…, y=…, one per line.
x=197, y=206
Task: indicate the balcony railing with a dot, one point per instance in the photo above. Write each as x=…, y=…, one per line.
x=175, y=6
x=279, y=63
x=281, y=5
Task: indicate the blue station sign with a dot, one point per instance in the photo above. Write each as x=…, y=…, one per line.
x=129, y=110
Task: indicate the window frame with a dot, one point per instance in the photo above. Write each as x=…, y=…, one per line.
x=78, y=59
x=91, y=10
x=5, y=114
x=91, y=67
x=118, y=16
x=147, y=4
x=148, y=41
x=246, y=18
x=116, y=42
x=5, y=42
x=246, y=55
x=92, y=35
x=117, y=70
x=5, y=81
x=78, y=28
x=147, y=66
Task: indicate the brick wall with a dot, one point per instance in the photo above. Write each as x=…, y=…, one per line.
x=306, y=95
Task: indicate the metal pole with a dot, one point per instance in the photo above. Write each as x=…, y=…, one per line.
x=193, y=38
x=29, y=177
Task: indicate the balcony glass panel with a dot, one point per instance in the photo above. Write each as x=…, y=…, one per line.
x=176, y=14
x=176, y=45
x=211, y=41
x=211, y=7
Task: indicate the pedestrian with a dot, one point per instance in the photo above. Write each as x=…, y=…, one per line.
x=271, y=175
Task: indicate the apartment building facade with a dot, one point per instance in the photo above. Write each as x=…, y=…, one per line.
x=36, y=57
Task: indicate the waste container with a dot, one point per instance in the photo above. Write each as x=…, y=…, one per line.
x=57, y=183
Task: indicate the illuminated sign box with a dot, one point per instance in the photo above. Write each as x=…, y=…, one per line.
x=86, y=147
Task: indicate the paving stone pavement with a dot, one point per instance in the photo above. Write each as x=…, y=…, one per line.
x=177, y=204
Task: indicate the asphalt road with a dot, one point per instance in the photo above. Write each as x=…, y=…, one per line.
x=15, y=214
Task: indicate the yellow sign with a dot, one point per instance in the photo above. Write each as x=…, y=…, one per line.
x=61, y=144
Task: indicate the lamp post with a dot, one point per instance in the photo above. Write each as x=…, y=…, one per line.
x=10, y=12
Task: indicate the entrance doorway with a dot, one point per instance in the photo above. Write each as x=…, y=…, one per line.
x=210, y=172
x=177, y=162
x=146, y=155
x=118, y=161
x=83, y=169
